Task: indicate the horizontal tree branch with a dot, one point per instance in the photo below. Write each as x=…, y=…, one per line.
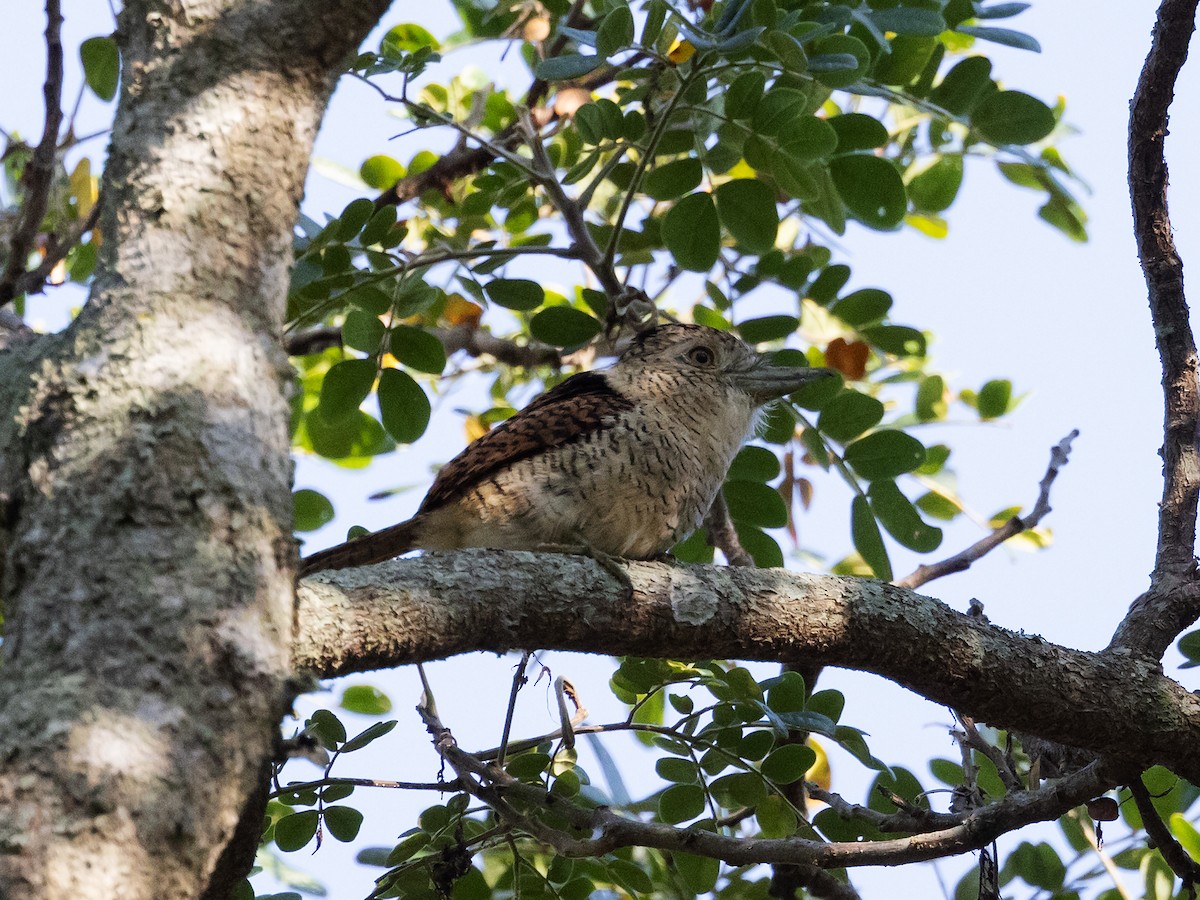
x=405, y=611
x=608, y=830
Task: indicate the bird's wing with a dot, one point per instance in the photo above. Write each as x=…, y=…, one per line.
x=568, y=412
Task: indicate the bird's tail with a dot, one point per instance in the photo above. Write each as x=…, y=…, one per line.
x=362, y=551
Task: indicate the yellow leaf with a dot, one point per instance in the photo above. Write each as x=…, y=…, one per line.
x=819, y=773
x=681, y=52
x=475, y=428
x=84, y=187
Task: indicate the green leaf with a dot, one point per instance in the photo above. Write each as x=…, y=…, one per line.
x=680, y=771
x=872, y=189
x=294, y=831
x=528, y=766
x=756, y=504
x=788, y=51
x=940, y=507
x=336, y=792
x=1186, y=833
x=768, y=328
x=699, y=873
x=897, y=514
x=352, y=439
x=829, y=703
x=516, y=293
x=344, y=388
x=744, y=94
x=418, y=349
x=343, y=822
x=763, y=548
x=310, y=510
x=327, y=728
x=1000, y=10
x=564, y=68
x=778, y=107
x=356, y=214
x=776, y=819
x=738, y=789
x=378, y=226
x=406, y=38
x=848, y=415
x=1006, y=36
x=615, y=32
x=747, y=209
x=786, y=693
x=380, y=172
x=1011, y=117
x=366, y=700
x=362, y=331
x=101, y=66
x=815, y=395
x=858, y=131
x=673, y=179
x=564, y=326
x=963, y=86
x=367, y=735
x=867, y=539
x=787, y=764
x=863, y=307
x=885, y=454
x=934, y=189
x=680, y=803
x=404, y=407
x=691, y=230
x=631, y=877
x=994, y=399
x=909, y=20
x=807, y=138
x=899, y=340
x=1189, y=646
x=754, y=464
x=839, y=60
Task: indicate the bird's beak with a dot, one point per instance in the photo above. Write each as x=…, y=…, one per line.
x=767, y=381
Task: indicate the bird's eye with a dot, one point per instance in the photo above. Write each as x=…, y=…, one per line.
x=701, y=356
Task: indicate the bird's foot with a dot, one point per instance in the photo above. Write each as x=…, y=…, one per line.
x=609, y=563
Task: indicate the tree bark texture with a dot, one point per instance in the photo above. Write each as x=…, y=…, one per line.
x=447, y=603
x=144, y=475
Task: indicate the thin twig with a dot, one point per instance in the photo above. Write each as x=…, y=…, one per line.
x=1014, y=526
x=585, y=246
x=518, y=682
x=1173, y=601
x=39, y=171
x=443, y=787
x=35, y=279
x=1089, y=832
x=970, y=737
x=721, y=534
x=1172, y=851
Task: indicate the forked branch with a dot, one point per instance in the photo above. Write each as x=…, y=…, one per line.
x=961, y=561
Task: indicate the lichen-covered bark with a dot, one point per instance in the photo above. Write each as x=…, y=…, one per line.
x=147, y=575
x=1114, y=703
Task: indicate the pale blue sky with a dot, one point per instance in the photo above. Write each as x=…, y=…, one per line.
x=1006, y=296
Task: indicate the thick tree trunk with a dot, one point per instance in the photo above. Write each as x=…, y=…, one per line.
x=148, y=565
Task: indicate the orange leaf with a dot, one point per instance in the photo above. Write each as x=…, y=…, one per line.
x=461, y=311
x=849, y=359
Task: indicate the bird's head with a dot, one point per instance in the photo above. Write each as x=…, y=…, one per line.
x=707, y=356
